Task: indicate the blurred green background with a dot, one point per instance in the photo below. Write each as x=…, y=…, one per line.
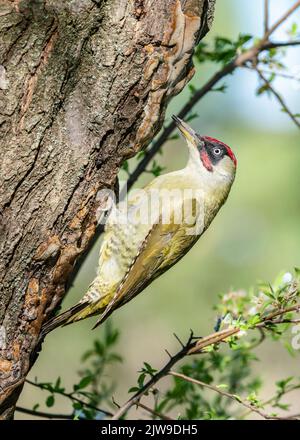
x=254, y=237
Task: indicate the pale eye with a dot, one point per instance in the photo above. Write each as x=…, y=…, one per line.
x=217, y=151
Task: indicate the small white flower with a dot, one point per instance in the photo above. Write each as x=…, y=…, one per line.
x=227, y=319
x=241, y=333
x=287, y=277
x=252, y=311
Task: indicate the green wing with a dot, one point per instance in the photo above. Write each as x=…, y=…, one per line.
x=163, y=247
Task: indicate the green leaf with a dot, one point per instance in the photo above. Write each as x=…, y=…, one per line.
x=173, y=137
x=77, y=406
x=238, y=398
x=50, y=400
x=222, y=386
x=111, y=336
x=150, y=370
x=255, y=319
x=85, y=381
x=293, y=30
x=114, y=357
x=141, y=380
x=133, y=389
x=156, y=169
x=191, y=117
x=284, y=406
x=221, y=88
x=281, y=384
x=141, y=154
x=243, y=39
x=289, y=348
x=99, y=348
x=125, y=166
x=193, y=89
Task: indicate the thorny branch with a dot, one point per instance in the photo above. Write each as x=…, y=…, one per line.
x=155, y=378
x=199, y=346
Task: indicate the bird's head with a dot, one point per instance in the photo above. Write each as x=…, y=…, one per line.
x=207, y=154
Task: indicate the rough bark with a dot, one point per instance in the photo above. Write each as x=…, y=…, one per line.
x=83, y=85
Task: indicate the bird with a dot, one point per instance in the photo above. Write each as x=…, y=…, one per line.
x=135, y=252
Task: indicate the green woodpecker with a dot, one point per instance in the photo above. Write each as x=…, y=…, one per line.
x=134, y=251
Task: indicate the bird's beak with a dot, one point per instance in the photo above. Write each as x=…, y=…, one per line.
x=188, y=133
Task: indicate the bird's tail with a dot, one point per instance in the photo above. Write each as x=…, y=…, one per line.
x=75, y=313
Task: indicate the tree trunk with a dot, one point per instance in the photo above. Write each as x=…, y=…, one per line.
x=84, y=85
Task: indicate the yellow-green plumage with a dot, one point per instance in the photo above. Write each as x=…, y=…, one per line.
x=134, y=253
x=132, y=256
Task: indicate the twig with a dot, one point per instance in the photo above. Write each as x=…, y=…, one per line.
x=154, y=379
x=178, y=339
x=153, y=412
x=44, y=414
x=276, y=73
x=286, y=15
x=197, y=347
x=275, y=44
x=228, y=69
x=212, y=339
x=260, y=339
x=230, y=396
x=272, y=399
x=223, y=335
x=266, y=16
x=70, y=396
x=277, y=96
x=270, y=316
x=282, y=321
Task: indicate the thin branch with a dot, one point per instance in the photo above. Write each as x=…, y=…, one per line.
x=259, y=341
x=228, y=69
x=276, y=73
x=71, y=397
x=197, y=347
x=276, y=44
x=266, y=16
x=214, y=338
x=153, y=412
x=223, y=335
x=282, y=321
x=273, y=400
x=270, y=316
x=230, y=396
x=46, y=415
x=134, y=400
x=277, y=96
x=284, y=17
